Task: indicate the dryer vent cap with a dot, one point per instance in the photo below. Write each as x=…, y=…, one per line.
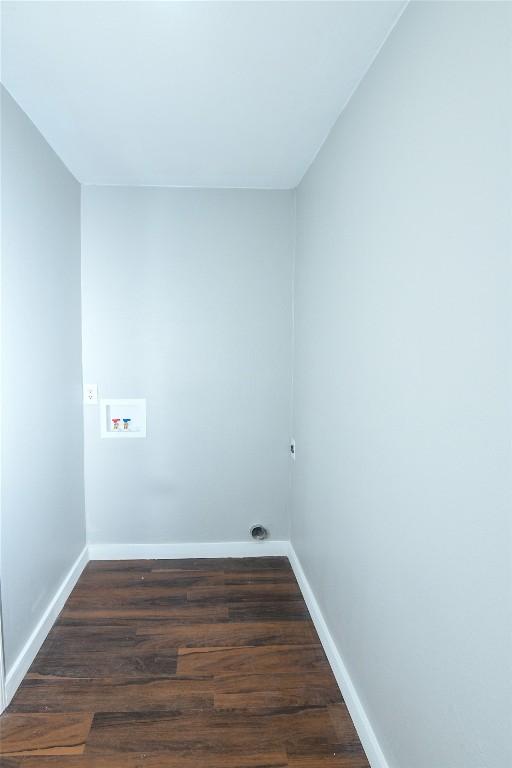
x=259, y=532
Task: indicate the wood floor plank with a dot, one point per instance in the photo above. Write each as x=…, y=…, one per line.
x=166, y=592
x=225, y=564
x=44, y=734
x=114, y=695
x=256, y=592
x=99, y=664
x=232, y=633
x=102, y=652
x=339, y=758
x=126, y=566
x=261, y=693
x=89, y=637
x=275, y=576
x=275, y=563
x=274, y=759
x=177, y=578
x=285, y=610
x=75, y=643
x=259, y=660
x=231, y=733
x=64, y=641
x=183, y=612
x=157, y=599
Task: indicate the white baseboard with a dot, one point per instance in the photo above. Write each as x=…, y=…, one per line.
x=29, y=651
x=150, y=551
x=363, y=726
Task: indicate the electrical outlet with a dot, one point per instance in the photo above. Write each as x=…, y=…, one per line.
x=91, y=394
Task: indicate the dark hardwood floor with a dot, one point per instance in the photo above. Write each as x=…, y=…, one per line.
x=178, y=664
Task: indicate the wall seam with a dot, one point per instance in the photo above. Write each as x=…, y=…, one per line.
x=292, y=362
x=86, y=525
x=354, y=90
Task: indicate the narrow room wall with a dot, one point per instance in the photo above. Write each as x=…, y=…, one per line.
x=43, y=522
x=403, y=477
x=187, y=303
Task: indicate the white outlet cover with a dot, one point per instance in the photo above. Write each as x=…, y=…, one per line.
x=91, y=394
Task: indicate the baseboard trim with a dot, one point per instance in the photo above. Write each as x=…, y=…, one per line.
x=362, y=724
x=171, y=551
x=31, y=648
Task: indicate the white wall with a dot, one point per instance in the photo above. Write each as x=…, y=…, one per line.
x=187, y=302
x=403, y=392
x=43, y=524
